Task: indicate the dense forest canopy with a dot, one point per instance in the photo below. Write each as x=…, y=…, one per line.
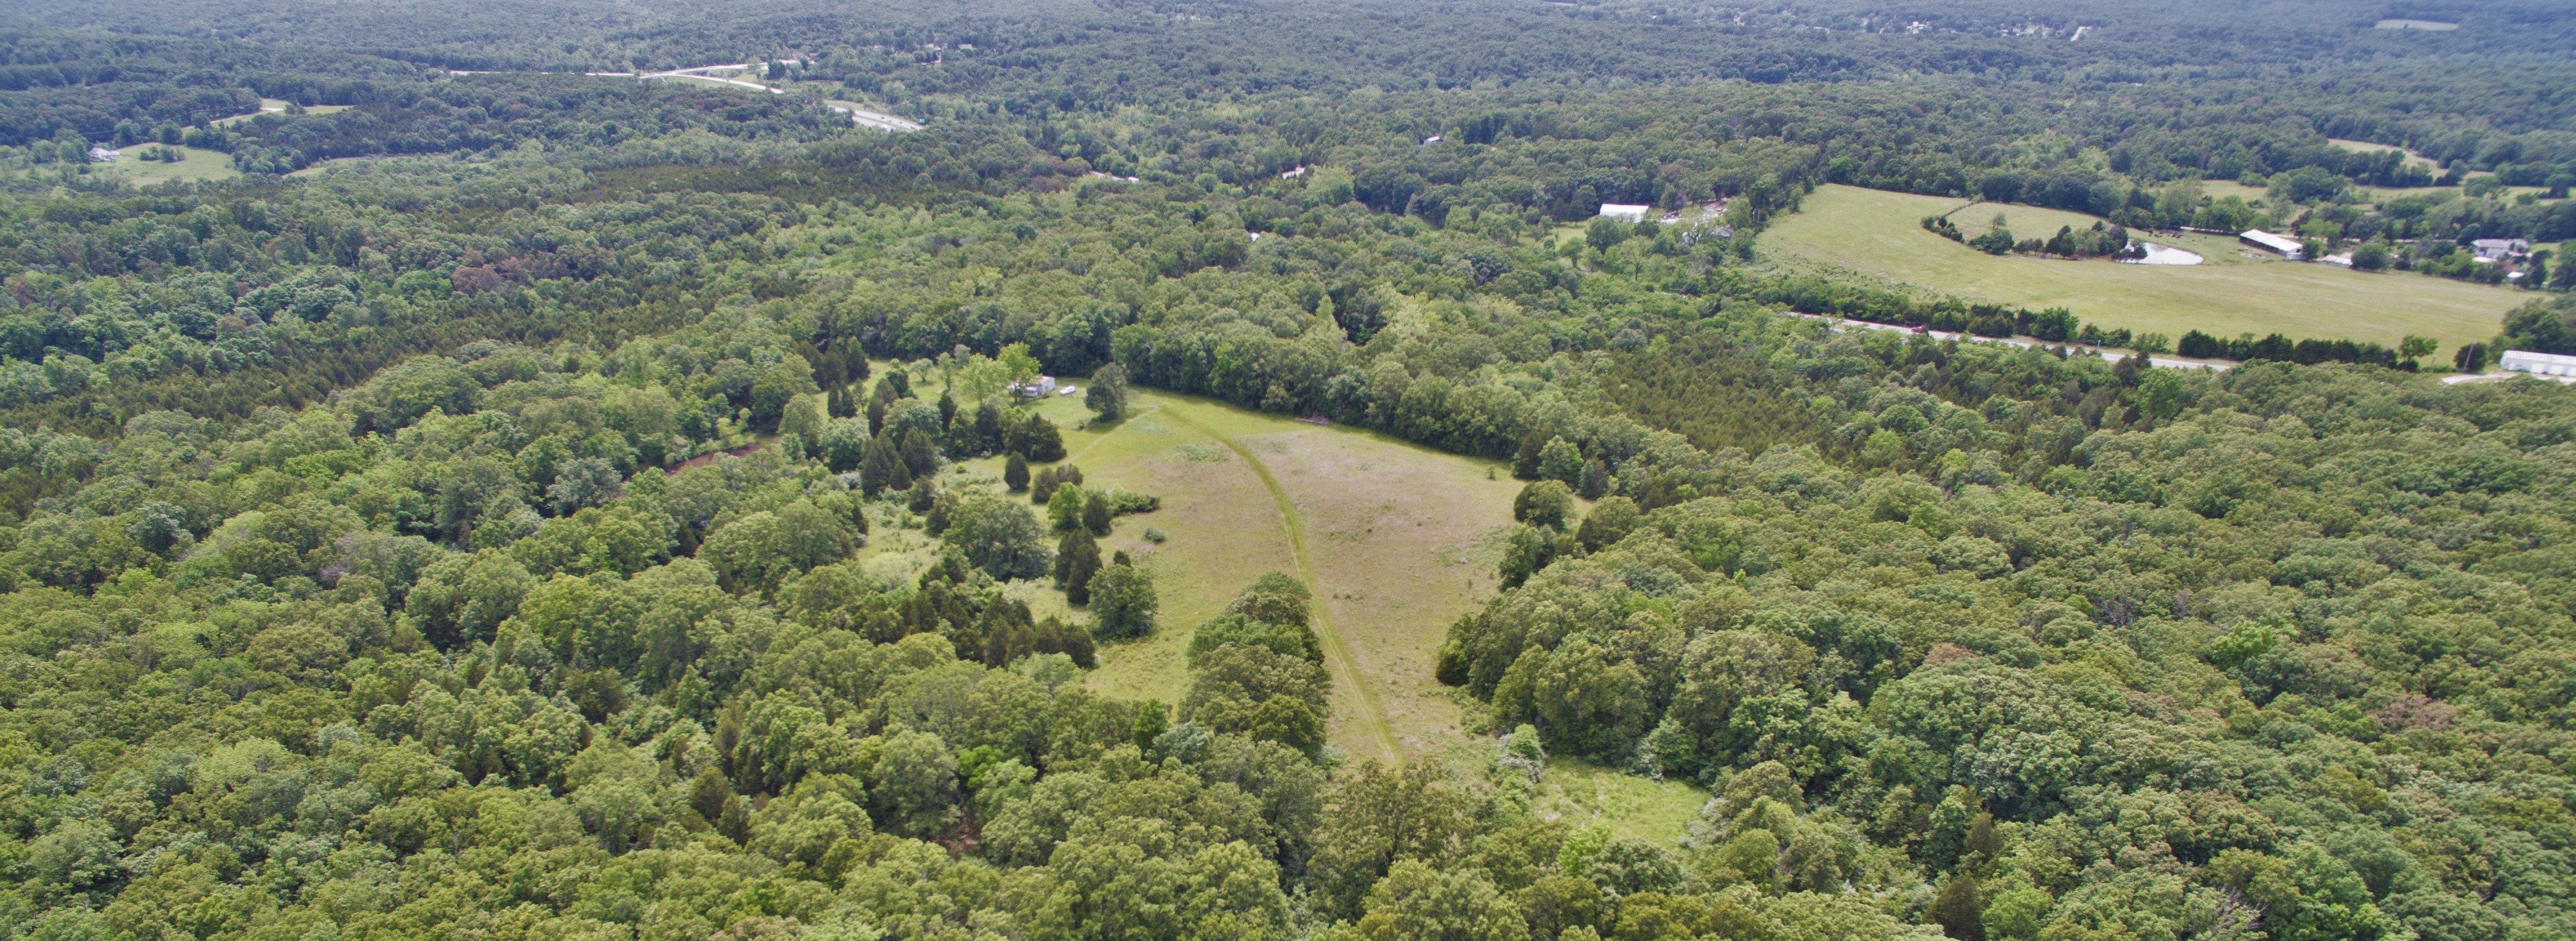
x=473, y=538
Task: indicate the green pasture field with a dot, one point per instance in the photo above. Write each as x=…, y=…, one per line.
x=202, y=164
x=2375, y=193
x=1876, y=233
x=2221, y=189
x=2038, y=222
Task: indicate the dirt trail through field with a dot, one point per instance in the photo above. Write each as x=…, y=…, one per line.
x=1337, y=655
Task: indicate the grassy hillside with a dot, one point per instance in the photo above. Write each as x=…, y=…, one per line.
x=1873, y=232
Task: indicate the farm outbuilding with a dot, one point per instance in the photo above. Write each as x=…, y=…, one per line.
x=1625, y=212
x=2538, y=364
x=2287, y=246
x=2495, y=249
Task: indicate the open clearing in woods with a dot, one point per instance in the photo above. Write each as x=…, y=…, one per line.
x=1395, y=540
x=201, y=164
x=1585, y=796
x=1874, y=232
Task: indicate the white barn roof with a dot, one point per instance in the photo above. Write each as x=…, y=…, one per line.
x=1625, y=212
x=2538, y=364
x=2280, y=243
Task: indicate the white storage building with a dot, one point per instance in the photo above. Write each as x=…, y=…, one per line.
x=2289, y=246
x=2538, y=364
x=1625, y=212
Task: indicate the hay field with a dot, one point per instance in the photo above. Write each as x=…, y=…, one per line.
x=1849, y=230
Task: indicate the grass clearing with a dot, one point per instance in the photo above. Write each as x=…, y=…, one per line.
x=1395, y=540
x=1878, y=233
x=1585, y=795
x=2375, y=194
x=2040, y=223
x=202, y=164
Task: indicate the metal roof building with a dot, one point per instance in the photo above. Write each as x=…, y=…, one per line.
x=2538, y=364
x=1625, y=212
x=2288, y=246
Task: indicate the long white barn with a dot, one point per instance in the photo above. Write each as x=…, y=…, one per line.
x=2538, y=364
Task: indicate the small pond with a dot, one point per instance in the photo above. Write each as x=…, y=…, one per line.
x=2165, y=255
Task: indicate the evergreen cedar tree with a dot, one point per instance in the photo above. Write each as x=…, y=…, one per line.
x=1107, y=394
x=369, y=535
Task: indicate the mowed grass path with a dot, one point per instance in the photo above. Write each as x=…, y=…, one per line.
x=1396, y=541
x=1874, y=232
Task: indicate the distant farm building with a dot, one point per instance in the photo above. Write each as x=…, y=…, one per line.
x=2287, y=246
x=2538, y=364
x=1037, y=387
x=101, y=155
x=2498, y=249
x=1624, y=212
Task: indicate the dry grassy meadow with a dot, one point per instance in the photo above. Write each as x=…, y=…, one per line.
x=1395, y=540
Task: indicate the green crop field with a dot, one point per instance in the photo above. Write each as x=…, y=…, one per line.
x=1877, y=233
